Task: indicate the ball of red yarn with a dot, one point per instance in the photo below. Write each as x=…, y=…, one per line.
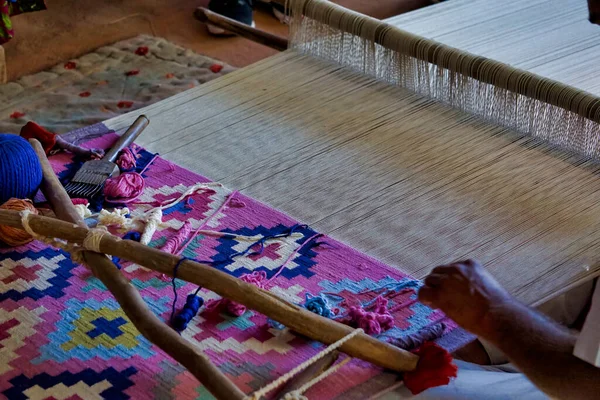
x=13, y=236
x=435, y=368
x=125, y=188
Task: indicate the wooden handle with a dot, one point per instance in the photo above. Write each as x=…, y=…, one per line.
x=256, y=35
x=128, y=137
x=129, y=298
x=294, y=317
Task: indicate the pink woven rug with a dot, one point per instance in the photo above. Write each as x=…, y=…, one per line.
x=62, y=335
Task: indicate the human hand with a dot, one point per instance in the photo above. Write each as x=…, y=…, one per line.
x=467, y=293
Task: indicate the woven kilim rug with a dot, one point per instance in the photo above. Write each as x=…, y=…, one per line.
x=62, y=335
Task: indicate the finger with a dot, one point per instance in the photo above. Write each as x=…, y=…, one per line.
x=441, y=269
x=470, y=263
x=435, y=280
x=428, y=295
x=448, y=269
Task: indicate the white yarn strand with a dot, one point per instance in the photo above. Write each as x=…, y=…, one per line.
x=152, y=218
x=298, y=393
x=289, y=375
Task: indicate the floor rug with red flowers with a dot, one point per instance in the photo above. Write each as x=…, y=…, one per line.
x=112, y=80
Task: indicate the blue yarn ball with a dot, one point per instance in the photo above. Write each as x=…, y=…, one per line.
x=20, y=169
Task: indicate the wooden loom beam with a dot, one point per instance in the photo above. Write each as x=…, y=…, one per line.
x=291, y=315
x=129, y=298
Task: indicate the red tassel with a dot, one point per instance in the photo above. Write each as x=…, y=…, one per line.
x=31, y=130
x=435, y=368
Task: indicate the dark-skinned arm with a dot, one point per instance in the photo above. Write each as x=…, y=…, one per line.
x=594, y=10
x=539, y=347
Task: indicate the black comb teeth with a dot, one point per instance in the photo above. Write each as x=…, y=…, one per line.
x=82, y=190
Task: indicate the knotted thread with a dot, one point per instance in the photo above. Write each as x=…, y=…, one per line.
x=74, y=250
x=117, y=217
x=153, y=218
x=373, y=322
x=318, y=305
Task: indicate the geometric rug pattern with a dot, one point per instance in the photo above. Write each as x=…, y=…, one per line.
x=63, y=336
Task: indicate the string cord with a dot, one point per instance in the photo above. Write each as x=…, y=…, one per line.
x=173, y=283
x=299, y=368
x=206, y=221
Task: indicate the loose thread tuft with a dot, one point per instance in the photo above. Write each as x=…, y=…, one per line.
x=373, y=322
x=318, y=305
x=435, y=368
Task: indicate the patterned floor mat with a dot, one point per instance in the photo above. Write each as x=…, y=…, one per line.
x=110, y=81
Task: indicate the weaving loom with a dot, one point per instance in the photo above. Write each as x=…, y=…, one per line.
x=410, y=150
x=396, y=174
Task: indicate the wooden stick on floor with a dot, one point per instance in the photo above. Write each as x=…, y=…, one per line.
x=256, y=35
x=129, y=298
x=296, y=318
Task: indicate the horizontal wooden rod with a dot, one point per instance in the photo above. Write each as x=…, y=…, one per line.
x=291, y=315
x=256, y=35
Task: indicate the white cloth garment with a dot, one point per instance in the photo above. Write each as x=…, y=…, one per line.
x=502, y=382
x=477, y=382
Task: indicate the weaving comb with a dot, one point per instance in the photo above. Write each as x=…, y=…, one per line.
x=92, y=175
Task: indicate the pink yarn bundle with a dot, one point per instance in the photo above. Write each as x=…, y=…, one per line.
x=125, y=188
x=175, y=242
x=78, y=201
x=127, y=159
x=257, y=278
x=374, y=322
